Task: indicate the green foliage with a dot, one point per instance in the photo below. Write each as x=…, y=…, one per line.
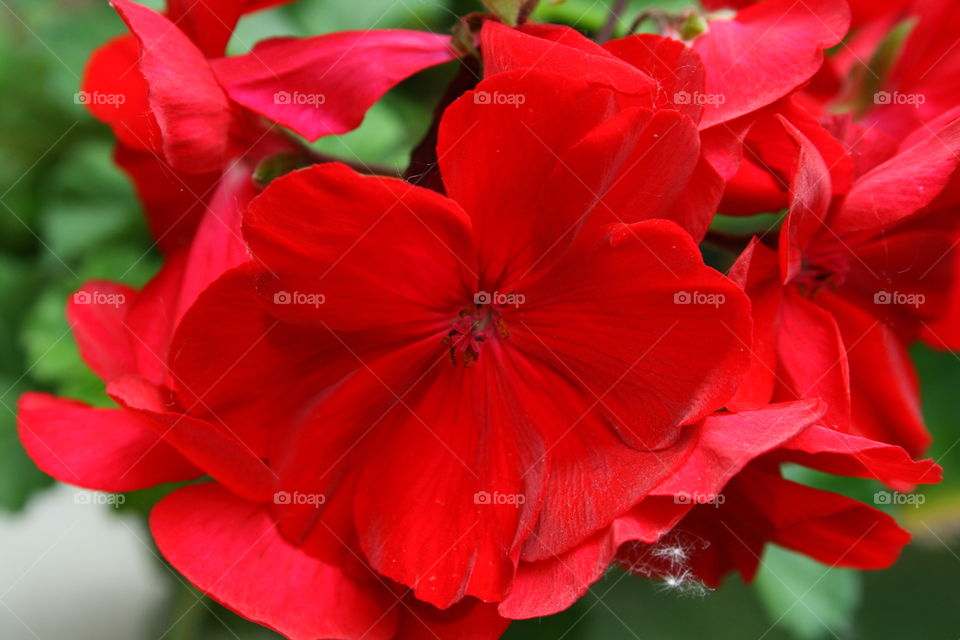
x=590, y=16
x=809, y=599
x=66, y=215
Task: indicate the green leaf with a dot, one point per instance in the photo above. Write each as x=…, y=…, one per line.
x=18, y=285
x=51, y=353
x=326, y=17
x=811, y=600
x=511, y=12
x=759, y=224
x=390, y=130
x=589, y=16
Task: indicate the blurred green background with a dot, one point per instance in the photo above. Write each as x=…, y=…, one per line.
x=68, y=215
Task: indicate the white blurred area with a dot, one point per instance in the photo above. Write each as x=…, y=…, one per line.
x=73, y=570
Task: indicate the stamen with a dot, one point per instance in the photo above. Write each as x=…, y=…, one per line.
x=470, y=330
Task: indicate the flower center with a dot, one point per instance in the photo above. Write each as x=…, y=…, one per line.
x=826, y=269
x=472, y=327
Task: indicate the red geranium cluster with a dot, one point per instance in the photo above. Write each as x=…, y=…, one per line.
x=423, y=412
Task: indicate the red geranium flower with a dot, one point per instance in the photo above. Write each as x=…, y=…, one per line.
x=523, y=338
x=182, y=113
x=736, y=72
x=852, y=284
x=430, y=414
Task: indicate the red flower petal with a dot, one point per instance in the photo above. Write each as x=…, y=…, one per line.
x=826, y=526
x=813, y=357
x=467, y=620
x=501, y=162
x=228, y=344
x=190, y=107
x=174, y=201
x=766, y=52
x=660, y=72
x=324, y=85
x=677, y=69
x=217, y=247
x=728, y=441
x=902, y=185
x=646, y=326
x=757, y=270
x=116, y=93
x=152, y=319
x=914, y=265
x=551, y=585
x=533, y=177
x=843, y=454
x=641, y=357
x=373, y=251
x=355, y=450
x=725, y=443
x=771, y=161
x=762, y=507
x=218, y=244
x=231, y=550
x=884, y=388
x=810, y=194
x=98, y=313
x=211, y=447
x=102, y=449
x=471, y=501
x=753, y=189
x=561, y=50
x=925, y=67
x=210, y=23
